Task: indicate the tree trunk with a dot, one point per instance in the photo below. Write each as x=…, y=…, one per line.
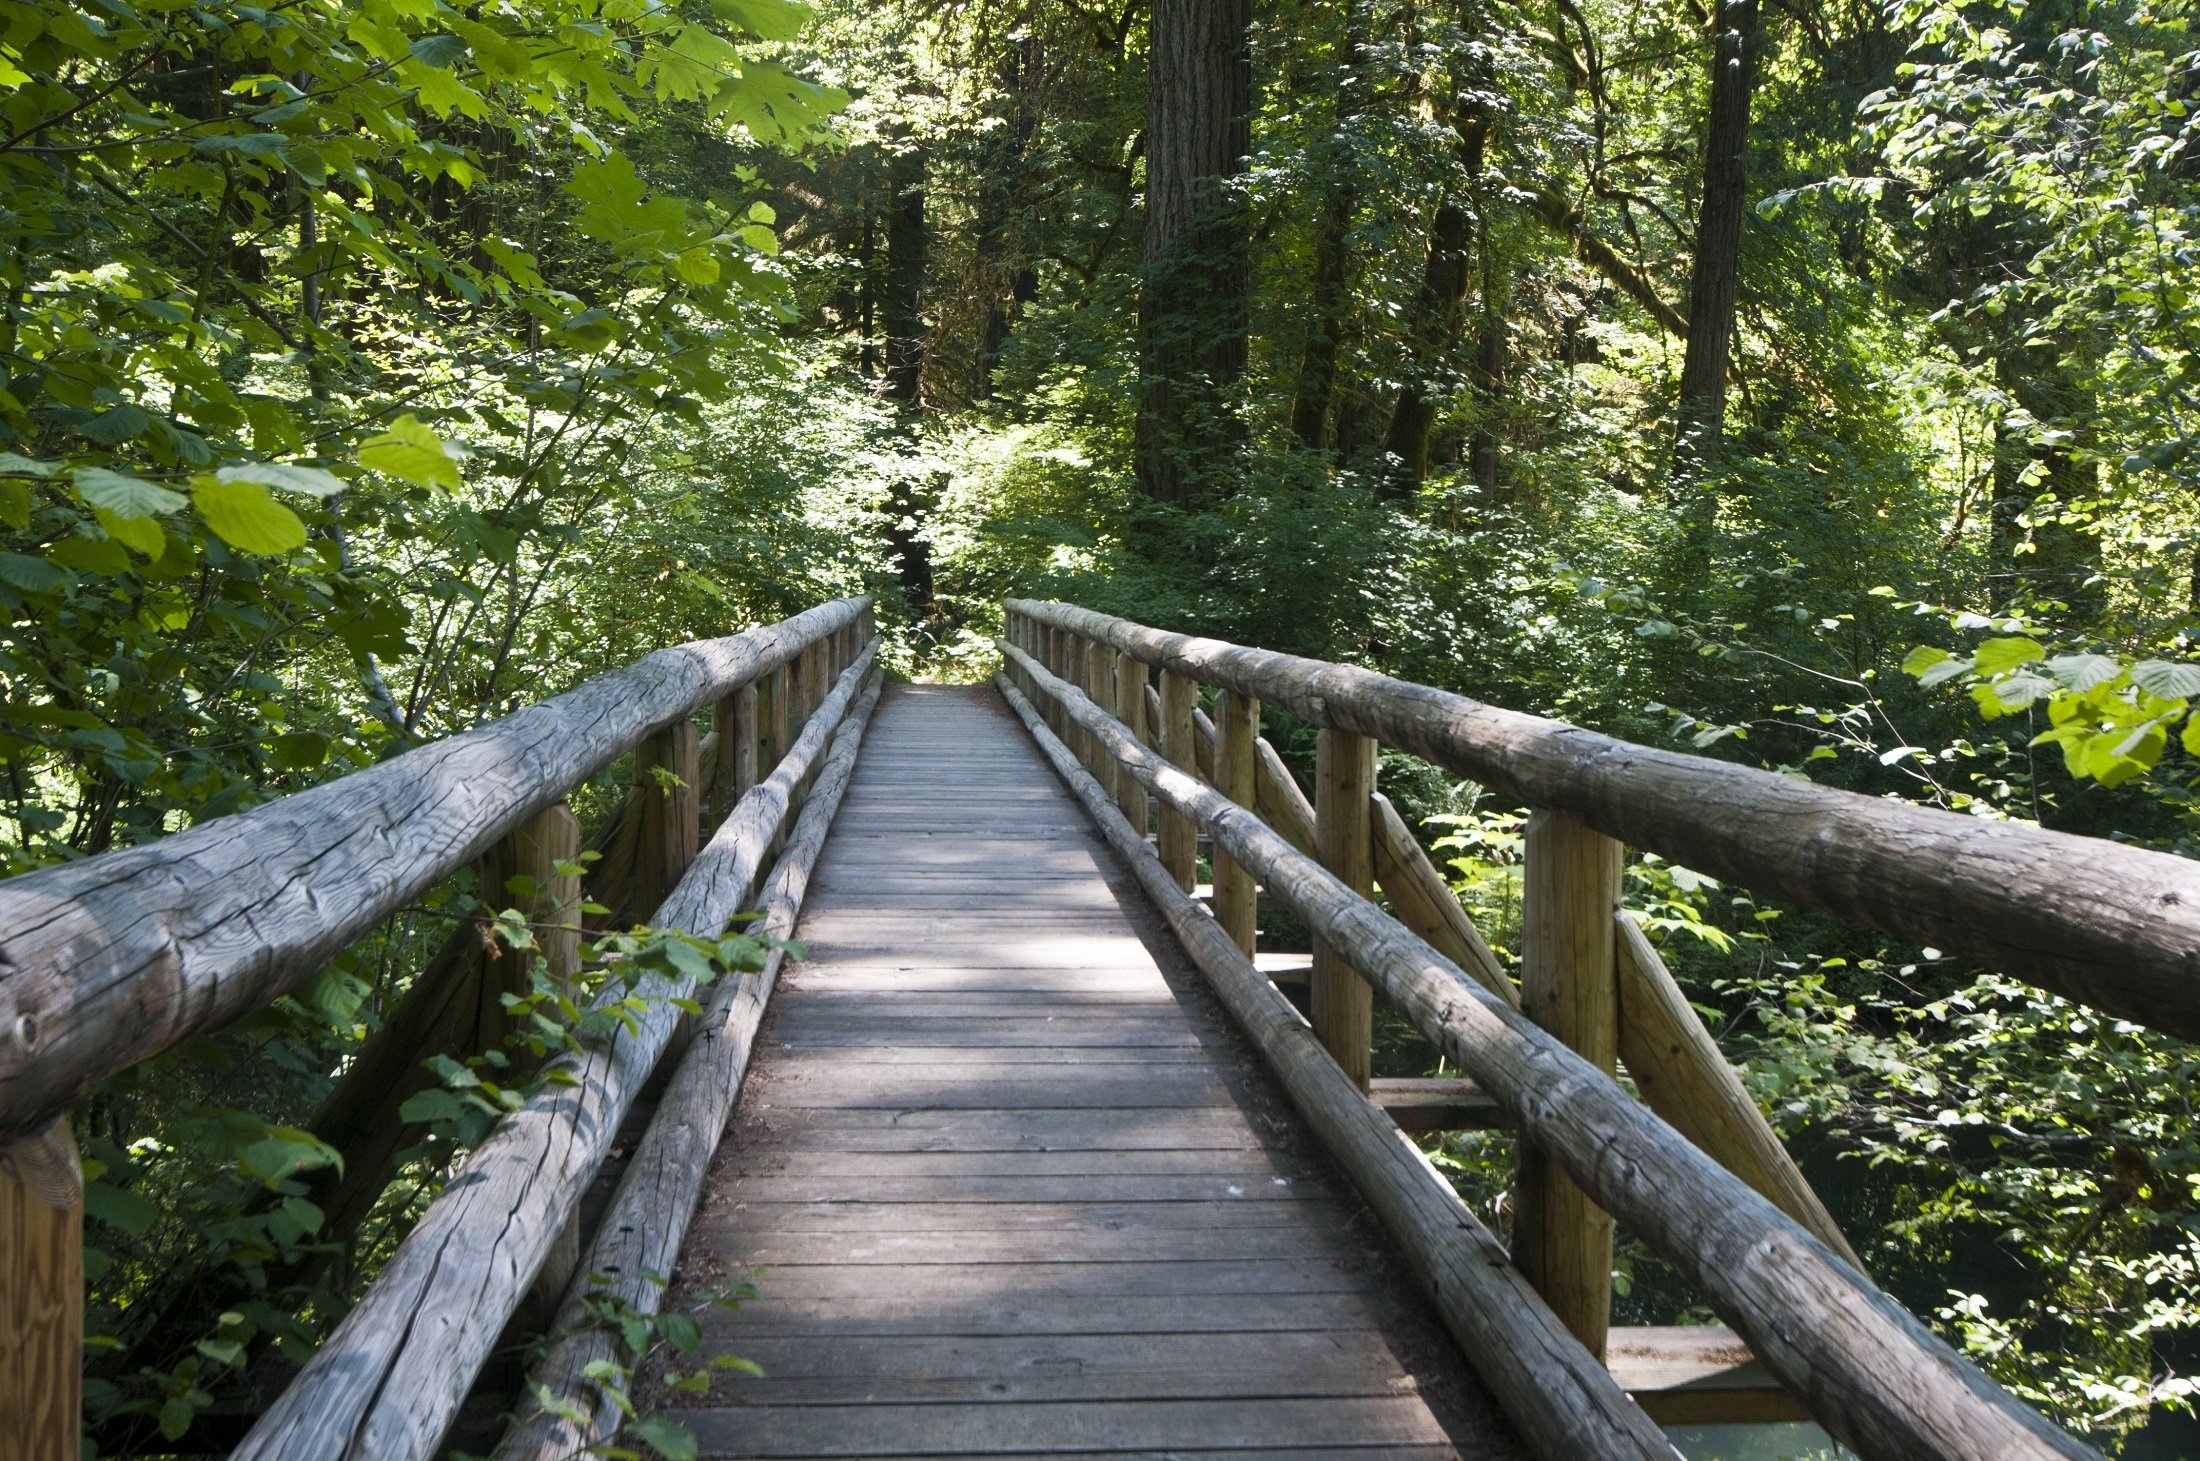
x=1192, y=304
x=1317, y=381
x=1713, y=280
x=901, y=312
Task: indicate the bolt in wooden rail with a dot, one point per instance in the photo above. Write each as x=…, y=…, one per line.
x=1561, y=1240
x=1342, y=1005
x=1866, y=1369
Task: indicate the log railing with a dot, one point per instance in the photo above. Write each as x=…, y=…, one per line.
x=110, y=961
x=1697, y=1174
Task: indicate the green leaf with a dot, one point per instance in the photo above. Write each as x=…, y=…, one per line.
x=31, y=575
x=246, y=518
x=26, y=466
x=412, y=453
x=141, y=533
x=307, y=481
x=298, y=751
x=91, y=555
x=767, y=20
x=2082, y=672
x=119, y=1208
x=1997, y=655
x=1923, y=658
x=2167, y=679
x=681, y=1332
x=124, y=496
x=175, y=1417
x=667, y=1438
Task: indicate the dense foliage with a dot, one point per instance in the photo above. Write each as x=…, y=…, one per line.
x=371, y=368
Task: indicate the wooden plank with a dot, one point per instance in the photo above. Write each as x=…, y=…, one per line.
x=1040, y=1129
x=1037, y=1088
x=1440, y=1103
x=1698, y=1375
x=995, y=1371
x=1019, y=1312
x=887, y=1167
x=1329, y=1292
x=1142, y=1245
x=1268, y=1427
x=982, y=1222
x=42, y=1295
x=860, y=1185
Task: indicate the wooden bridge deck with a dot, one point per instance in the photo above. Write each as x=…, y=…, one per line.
x=1008, y=1188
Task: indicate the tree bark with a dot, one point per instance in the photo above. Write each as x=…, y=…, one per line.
x=901, y=311
x=1714, y=279
x=1443, y=292
x=1192, y=303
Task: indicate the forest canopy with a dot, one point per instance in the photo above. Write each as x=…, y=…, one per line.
x=1810, y=383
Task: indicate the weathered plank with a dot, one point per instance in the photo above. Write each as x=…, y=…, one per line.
x=41, y=1296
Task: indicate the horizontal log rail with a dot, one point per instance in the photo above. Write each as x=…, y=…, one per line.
x=2114, y=927
x=1866, y=1369
x=109, y=961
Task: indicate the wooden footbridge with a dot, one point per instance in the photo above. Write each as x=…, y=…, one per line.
x=1027, y=1148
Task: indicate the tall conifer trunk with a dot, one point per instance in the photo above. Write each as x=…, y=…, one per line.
x=1714, y=279
x=1192, y=304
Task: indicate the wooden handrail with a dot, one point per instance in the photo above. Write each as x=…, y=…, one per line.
x=391, y=1377
x=106, y=962
x=1866, y=1369
x=2111, y=926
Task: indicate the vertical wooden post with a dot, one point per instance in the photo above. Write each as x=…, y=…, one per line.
x=1179, y=837
x=1098, y=674
x=1562, y=1241
x=1342, y=1009
x=670, y=815
x=734, y=719
x=550, y=899
x=771, y=713
x=1130, y=708
x=41, y=1294
x=1237, y=722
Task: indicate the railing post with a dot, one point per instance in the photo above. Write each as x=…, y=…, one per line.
x=41, y=1294
x=771, y=712
x=1237, y=723
x=1179, y=836
x=666, y=768
x=734, y=720
x=1098, y=671
x=1130, y=708
x=1562, y=1241
x=1342, y=1007
x=536, y=850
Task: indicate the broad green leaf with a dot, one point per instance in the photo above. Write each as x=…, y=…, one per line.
x=1996, y=655
x=2170, y=680
x=2083, y=671
x=412, y=453
x=767, y=20
x=299, y=751
x=31, y=575
x=124, y=496
x=119, y=1208
x=141, y=533
x=103, y=556
x=244, y=516
x=1923, y=658
x=667, y=1438
x=26, y=466
x=307, y=481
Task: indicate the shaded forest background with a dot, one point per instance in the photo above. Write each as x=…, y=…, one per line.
x=1805, y=382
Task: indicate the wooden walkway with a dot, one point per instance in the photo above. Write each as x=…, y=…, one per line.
x=1008, y=1189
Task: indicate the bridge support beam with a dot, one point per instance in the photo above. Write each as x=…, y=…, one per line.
x=1561, y=1240
x=1343, y=1004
